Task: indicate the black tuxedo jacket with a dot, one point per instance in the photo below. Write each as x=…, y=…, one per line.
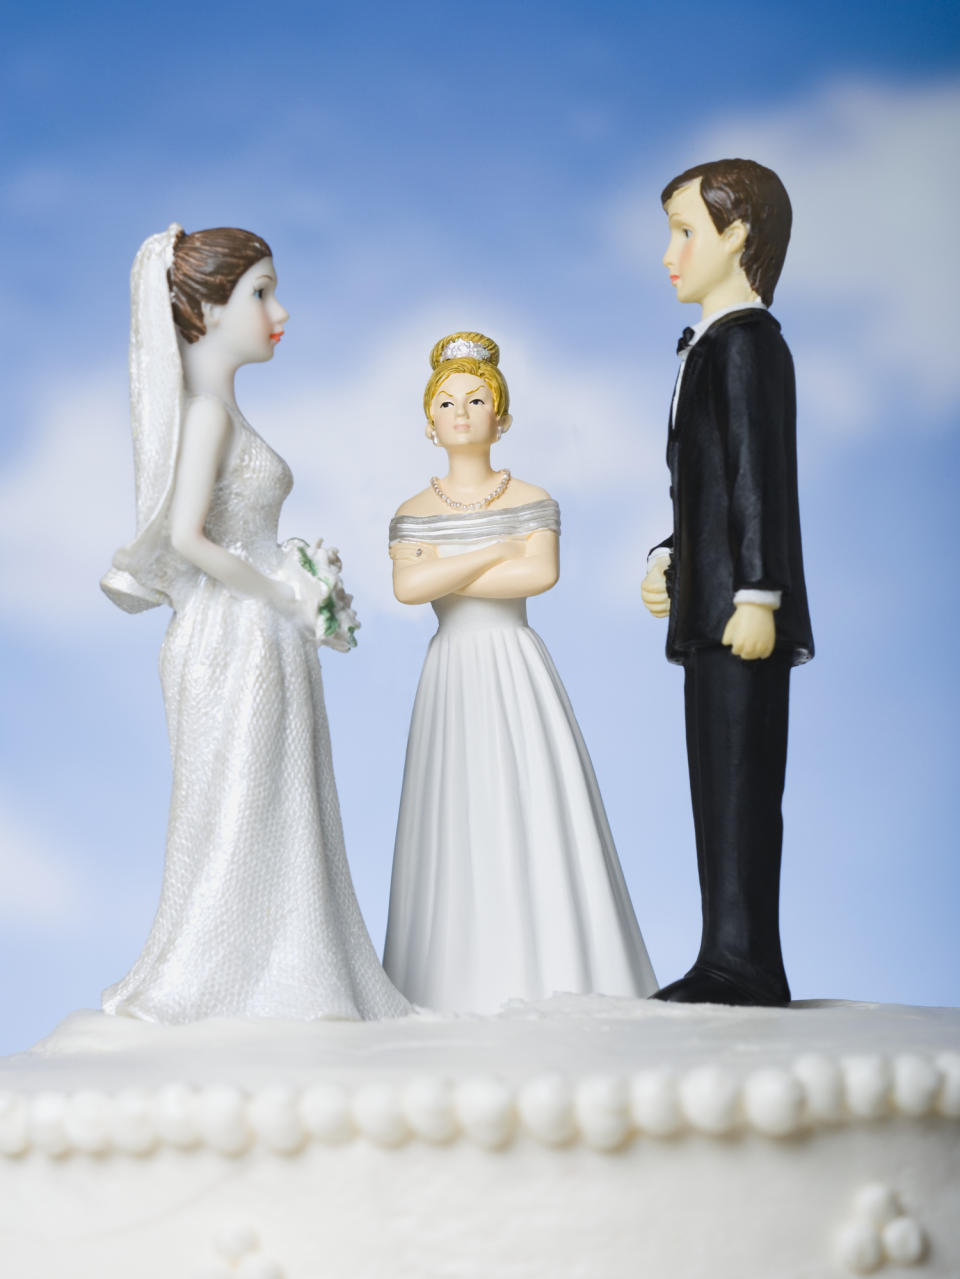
x=732, y=454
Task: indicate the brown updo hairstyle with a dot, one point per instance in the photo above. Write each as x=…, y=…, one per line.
x=206, y=267
x=486, y=369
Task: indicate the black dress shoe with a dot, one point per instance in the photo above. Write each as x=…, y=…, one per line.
x=704, y=986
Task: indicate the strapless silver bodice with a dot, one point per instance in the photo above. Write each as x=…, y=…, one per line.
x=455, y=534
x=477, y=526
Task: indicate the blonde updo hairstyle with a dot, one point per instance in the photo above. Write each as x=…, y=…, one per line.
x=487, y=370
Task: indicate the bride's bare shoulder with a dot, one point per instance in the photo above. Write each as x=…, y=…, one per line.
x=422, y=503
x=205, y=412
x=520, y=493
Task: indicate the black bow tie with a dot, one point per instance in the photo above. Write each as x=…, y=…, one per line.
x=686, y=337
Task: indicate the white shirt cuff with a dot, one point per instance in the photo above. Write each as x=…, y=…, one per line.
x=770, y=598
x=658, y=553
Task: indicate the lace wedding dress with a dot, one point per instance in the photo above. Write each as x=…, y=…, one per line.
x=257, y=915
x=506, y=882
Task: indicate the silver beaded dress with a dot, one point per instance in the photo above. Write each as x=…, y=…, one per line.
x=257, y=915
x=506, y=882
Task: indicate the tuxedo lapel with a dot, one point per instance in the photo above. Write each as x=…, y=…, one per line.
x=687, y=373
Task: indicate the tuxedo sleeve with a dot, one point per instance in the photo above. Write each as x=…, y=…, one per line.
x=753, y=381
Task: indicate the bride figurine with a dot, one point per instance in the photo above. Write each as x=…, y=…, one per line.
x=506, y=883
x=257, y=913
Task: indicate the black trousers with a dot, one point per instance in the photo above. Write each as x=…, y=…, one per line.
x=736, y=721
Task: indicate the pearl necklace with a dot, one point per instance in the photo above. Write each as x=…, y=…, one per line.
x=471, y=506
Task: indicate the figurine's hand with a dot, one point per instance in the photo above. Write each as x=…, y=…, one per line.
x=281, y=596
x=751, y=631
x=299, y=607
x=653, y=588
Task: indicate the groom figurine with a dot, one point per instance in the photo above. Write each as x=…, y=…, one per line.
x=730, y=577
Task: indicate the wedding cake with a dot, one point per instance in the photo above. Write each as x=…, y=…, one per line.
x=258, y=1101
x=578, y=1138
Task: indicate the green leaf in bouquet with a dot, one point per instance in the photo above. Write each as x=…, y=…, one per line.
x=306, y=562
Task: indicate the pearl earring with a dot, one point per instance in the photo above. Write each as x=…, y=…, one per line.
x=433, y=436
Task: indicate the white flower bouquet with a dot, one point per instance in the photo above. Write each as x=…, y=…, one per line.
x=314, y=573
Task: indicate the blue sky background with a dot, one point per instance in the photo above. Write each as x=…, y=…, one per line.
x=421, y=168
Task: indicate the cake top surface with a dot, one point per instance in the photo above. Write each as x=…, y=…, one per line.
x=573, y=1036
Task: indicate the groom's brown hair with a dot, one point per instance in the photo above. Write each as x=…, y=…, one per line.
x=744, y=191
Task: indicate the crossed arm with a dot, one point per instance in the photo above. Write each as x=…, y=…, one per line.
x=516, y=567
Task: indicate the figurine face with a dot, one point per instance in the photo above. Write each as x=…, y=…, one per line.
x=462, y=411
x=703, y=262
x=250, y=324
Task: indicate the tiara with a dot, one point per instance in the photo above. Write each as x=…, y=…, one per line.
x=460, y=347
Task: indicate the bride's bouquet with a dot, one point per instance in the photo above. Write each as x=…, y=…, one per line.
x=314, y=573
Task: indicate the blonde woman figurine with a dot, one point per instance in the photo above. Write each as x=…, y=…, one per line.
x=506, y=883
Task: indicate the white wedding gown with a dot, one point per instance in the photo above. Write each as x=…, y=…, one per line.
x=257, y=916
x=506, y=882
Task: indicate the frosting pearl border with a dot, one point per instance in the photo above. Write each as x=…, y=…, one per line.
x=601, y=1112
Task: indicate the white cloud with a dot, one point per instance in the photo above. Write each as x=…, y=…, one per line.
x=839, y=396
x=582, y=428
x=876, y=194
x=66, y=503
x=37, y=886
x=357, y=446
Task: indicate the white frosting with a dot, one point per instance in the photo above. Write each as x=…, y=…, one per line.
x=948, y=1099
x=545, y=1106
x=484, y=1107
x=339, y=1099
x=654, y=1104
x=325, y=1109
x=876, y=1204
x=174, y=1112
x=859, y=1249
x=429, y=1110
x=239, y=1246
x=222, y=1116
x=236, y=1241
x=867, y=1084
x=552, y=1132
x=378, y=1115
x=709, y=1098
x=276, y=1120
x=86, y=1122
x=46, y=1128
x=879, y=1232
x=916, y=1082
x=822, y=1082
x=13, y=1125
x=602, y=1111
x=773, y=1102
x=903, y=1241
